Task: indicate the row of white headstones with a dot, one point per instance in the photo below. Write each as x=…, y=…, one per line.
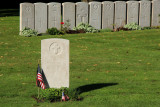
x=101, y=15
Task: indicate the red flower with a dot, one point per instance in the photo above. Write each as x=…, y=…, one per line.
x=62, y=23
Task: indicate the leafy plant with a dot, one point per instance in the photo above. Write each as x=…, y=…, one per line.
x=132, y=26
x=28, y=32
x=54, y=94
x=65, y=27
x=146, y=28
x=54, y=31
x=86, y=27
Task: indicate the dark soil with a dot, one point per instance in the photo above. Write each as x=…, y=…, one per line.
x=52, y=101
x=121, y=28
x=38, y=100
x=75, y=31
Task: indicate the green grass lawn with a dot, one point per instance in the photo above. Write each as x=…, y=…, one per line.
x=112, y=69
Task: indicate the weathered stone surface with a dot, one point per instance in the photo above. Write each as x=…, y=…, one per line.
x=156, y=13
x=26, y=15
x=144, y=14
x=41, y=17
x=81, y=12
x=132, y=11
x=107, y=14
x=54, y=15
x=69, y=13
x=120, y=14
x=95, y=14
x=55, y=62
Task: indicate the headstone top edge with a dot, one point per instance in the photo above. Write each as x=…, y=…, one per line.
x=132, y=2
x=53, y=3
x=145, y=1
x=107, y=2
x=40, y=3
x=81, y=3
x=155, y=1
x=68, y=3
x=26, y=3
x=54, y=39
x=119, y=2
x=95, y=2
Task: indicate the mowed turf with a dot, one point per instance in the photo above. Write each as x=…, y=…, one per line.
x=111, y=69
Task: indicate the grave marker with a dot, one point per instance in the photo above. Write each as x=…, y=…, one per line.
x=54, y=15
x=40, y=17
x=107, y=14
x=144, y=15
x=156, y=13
x=55, y=62
x=81, y=12
x=132, y=11
x=95, y=14
x=69, y=13
x=120, y=14
x=26, y=15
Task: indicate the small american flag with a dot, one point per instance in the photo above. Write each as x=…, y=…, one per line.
x=64, y=97
x=39, y=79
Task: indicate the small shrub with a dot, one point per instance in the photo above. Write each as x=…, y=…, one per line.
x=132, y=26
x=54, y=94
x=146, y=28
x=65, y=27
x=28, y=32
x=86, y=27
x=54, y=31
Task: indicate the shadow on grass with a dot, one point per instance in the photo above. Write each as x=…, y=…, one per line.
x=91, y=87
x=9, y=12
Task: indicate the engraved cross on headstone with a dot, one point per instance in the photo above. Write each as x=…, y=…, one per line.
x=56, y=48
x=54, y=21
x=40, y=23
x=132, y=18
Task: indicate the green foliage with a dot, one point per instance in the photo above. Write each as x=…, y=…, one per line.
x=73, y=94
x=54, y=31
x=28, y=32
x=146, y=28
x=132, y=26
x=66, y=26
x=105, y=30
x=86, y=27
x=55, y=94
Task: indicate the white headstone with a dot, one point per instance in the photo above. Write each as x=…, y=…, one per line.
x=55, y=62
x=95, y=14
x=54, y=15
x=81, y=12
x=132, y=11
x=120, y=14
x=41, y=17
x=69, y=13
x=156, y=13
x=144, y=14
x=26, y=15
x=107, y=14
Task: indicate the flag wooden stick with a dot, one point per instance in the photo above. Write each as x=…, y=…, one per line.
x=38, y=92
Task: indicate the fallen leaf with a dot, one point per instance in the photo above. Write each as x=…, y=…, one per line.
x=95, y=64
x=118, y=62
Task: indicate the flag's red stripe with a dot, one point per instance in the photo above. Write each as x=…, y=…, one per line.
x=40, y=80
